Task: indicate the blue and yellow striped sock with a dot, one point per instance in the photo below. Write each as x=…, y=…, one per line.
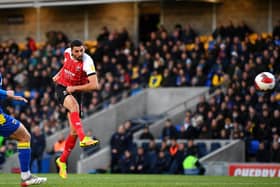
x=24, y=156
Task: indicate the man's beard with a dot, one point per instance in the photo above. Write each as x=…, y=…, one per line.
x=79, y=58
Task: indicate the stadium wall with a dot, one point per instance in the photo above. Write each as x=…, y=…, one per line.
x=101, y=160
x=158, y=101
x=85, y=22
x=228, y=153
x=176, y=114
x=217, y=162
x=106, y=122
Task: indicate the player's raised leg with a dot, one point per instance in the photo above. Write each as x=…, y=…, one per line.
x=75, y=121
x=23, y=138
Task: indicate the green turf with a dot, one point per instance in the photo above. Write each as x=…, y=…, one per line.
x=108, y=180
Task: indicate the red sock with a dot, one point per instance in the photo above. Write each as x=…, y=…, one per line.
x=77, y=124
x=69, y=145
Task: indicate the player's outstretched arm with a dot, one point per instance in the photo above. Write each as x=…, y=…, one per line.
x=11, y=95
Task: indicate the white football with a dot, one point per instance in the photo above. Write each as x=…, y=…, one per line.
x=265, y=81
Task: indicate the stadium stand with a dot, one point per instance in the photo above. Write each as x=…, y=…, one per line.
x=226, y=62
x=237, y=98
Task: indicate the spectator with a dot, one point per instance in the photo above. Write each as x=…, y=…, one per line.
x=155, y=80
x=10, y=149
x=56, y=39
x=59, y=145
x=2, y=141
x=2, y=155
x=103, y=36
x=262, y=132
x=189, y=131
x=276, y=30
x=173, y=149
x=127, y=163
x=151, y=153
x=146, y=134
x=61, y=38
x=13, y=47
x=191, y=148
x=164, y=147
x=192, y=166
x=118, y=146
x=189, y=34
x=128, y=134
x=177, y=166
x=31, y=44
x=169, y=131
x=243, y=29
x=275, y=152
x=218, y=78
x=262, y=154
x=38, y=144
x=162, y=163
x=220, y=31
x=140, y=161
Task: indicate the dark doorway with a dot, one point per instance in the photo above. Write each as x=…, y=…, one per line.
x=147, y=24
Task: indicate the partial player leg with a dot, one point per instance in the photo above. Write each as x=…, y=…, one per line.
x=23, y=137
x=62, y=160
x=75, y=121
x=33, y=180
x=62, y=168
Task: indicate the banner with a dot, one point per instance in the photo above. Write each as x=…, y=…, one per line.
x=254, y=170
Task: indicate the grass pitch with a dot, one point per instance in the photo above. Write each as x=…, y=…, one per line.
x=114, y=180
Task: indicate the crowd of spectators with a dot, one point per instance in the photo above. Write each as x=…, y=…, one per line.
x=236, y=110
x=155, y=156
x=226, y=115
x=232, y=59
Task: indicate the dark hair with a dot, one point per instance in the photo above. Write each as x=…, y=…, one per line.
x=76, y=43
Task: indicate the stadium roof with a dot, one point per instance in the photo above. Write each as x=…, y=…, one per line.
x=44, y=3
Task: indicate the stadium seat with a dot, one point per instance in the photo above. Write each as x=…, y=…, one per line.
x=190, y=47
x=152, y=118
x=206, y=45
x=46, y=163
x=40, y=45
x=22, y=46
x=265, y=35
x=145, y=120
x=253, y=147
x=136, y=126
x=210, y=38
x=178, y=127
x=90, y=44
x=253, y=37
x=201, y=149
x=203, y=38
x=214, y=146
